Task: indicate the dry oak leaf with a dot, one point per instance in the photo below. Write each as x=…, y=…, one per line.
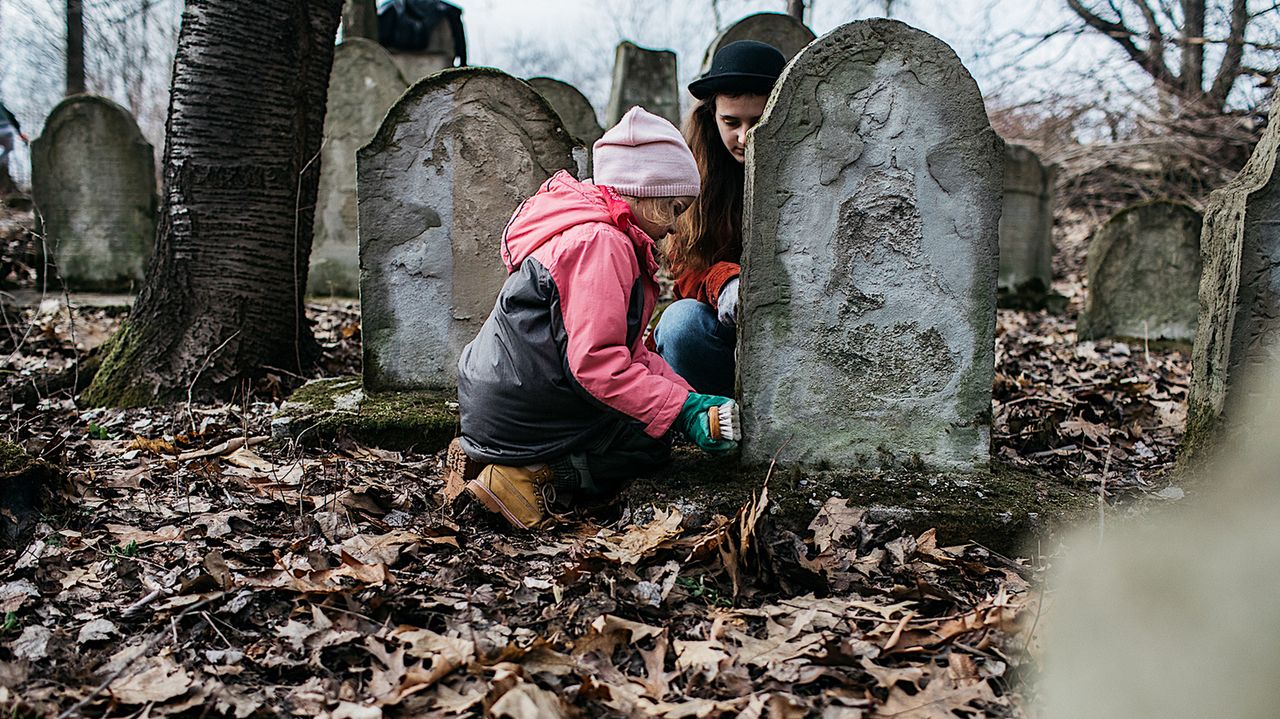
x=608, y=632
x=156, y=679
x=937, y=700
x=529, y=701
x=638, y=541
x=835, y=521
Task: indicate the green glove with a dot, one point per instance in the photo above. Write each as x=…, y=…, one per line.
x=692, y=422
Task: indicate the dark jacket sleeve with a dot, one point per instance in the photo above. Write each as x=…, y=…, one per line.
x=705, y=285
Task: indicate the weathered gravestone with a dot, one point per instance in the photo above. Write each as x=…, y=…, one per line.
x=572, y=106
x=1239, y=326
x=780, y=30
x=1026, y=225
x=364, y=82
x=646, y=78
x=453, y=159
x=1144, y=274
x=870, y=257
x=93, y=179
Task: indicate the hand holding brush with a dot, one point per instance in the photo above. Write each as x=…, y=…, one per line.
x=711, y=422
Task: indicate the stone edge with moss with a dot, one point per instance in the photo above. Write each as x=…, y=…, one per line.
x=1002, y=507
x=323, y=410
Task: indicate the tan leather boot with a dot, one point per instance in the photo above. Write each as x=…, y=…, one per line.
x=458, y=470
x=518, y=493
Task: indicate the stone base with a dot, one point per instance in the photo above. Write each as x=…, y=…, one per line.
x=324, y=409
x=1002, y=508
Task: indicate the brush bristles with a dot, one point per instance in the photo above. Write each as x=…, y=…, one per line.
x=726, y=422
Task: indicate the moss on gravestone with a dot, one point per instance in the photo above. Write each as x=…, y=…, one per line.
x=1000, y=507
x=326, y=409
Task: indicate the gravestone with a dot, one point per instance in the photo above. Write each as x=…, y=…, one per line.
x=1239, y=326
x=870, y=258
x=780, y=30
x=360, y=19
x=1144, y=275
x=452, y=160
x=93, y=179
x=646, y=78
x=364, y=82
x=1026, y=224
x=572, y=106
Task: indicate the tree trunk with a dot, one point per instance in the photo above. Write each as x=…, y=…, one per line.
x=75, y=47
x=795, y=8
x=223, y=297
x=360, y=19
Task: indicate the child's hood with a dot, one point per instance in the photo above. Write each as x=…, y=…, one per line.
x=561, y=203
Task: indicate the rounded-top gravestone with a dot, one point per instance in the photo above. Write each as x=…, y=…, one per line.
x=93, y=179
x=1026, y=224
x=1144, y=274
x=643, y=78
x=364, y=82
x=574, y=109
x=452, y=160
x=780, y=30
x=1239, y=326
x=868, y=291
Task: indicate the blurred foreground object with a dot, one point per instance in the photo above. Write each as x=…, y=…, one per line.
x=1176, y=615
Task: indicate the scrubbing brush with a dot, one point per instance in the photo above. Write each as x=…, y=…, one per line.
x=725, y=421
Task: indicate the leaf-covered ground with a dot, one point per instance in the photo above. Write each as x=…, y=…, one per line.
x=191, y=568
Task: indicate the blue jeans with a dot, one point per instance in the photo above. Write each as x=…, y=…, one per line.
x=700, y=349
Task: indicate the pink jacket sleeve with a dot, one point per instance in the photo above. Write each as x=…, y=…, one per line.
x=594, y=272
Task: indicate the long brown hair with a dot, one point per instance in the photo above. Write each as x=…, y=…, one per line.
x=711, y=230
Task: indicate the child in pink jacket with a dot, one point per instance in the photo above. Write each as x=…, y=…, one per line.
x=558, y=394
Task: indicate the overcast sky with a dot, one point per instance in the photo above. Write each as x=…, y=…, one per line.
x=574, y=39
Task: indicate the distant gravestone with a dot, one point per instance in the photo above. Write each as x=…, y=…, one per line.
x=1239, y=327
x=645, y=78
x=1026, y=224
x=364, y=82
x=93, y=179
x=780, y=30
x=574, y=109
x=453, y=159
x=869, y=263
x=1144, y=274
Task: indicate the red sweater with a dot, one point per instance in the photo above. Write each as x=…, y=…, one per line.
x=705, y=285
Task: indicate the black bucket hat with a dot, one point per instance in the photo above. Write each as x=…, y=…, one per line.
x=745, y=66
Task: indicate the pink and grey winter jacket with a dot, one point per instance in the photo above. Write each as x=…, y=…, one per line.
x=561, y=358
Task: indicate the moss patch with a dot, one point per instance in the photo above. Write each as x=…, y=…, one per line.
x=1001, y=507
x=325, y=409
x=28, y=490
x=12, y=458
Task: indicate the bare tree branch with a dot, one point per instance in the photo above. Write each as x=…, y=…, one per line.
x=1229, y=70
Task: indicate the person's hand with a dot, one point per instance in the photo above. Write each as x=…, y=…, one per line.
x=727, y=304
x=693, y=423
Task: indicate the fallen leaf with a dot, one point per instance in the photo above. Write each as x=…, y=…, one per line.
x=155, y=679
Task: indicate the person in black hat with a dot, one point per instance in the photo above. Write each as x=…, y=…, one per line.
x=697, y=334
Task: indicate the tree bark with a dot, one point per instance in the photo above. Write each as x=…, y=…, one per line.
x=795, y=8
x=360, y=19
x=223, y=297
x=75, y=47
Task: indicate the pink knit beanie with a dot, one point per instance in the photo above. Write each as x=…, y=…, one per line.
x=645, y=156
